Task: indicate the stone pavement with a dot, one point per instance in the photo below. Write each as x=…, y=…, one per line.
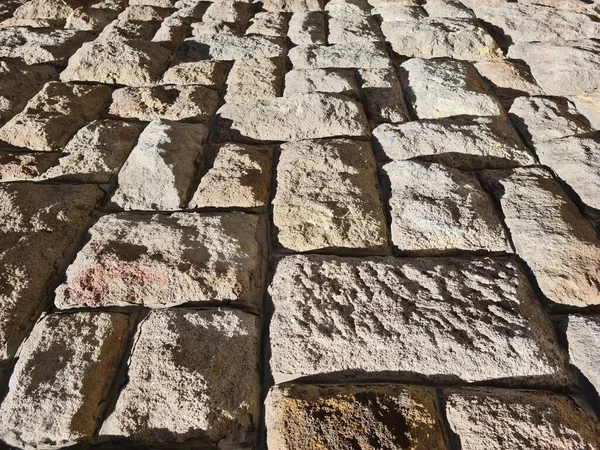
x=300, y=224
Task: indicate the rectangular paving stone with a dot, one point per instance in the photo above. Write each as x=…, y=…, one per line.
x=362, y=55
x=439, y=88
x=583, y=336
x=166, y=260
x=193, y=374
x=307, y=28
x=385, y=417
x=206, y=73
x=186, y=103
x=40, y=225
x=328, y=198
x=239, y=177
x=437, y=37
x=298, y=116
x=461, y=142
x=96, y=152
x=225, y=47
x=166, y=155
x=495, y=419
x=437, y=209
x=57, y=390
x=333, y=81
x=53, y=115
x=255, y=79
x=471, y=319
x=560, y=247
x=24, y=165
x=383, y=96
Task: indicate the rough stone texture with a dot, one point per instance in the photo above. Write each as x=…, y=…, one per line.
x=433, y=37
x=90, y=18
x=239, y=177
x=461, y=142
x=24, y=166
x=507, y=78
x=436, y=209
x=337, y=417
x=359, y=55
x=293, y=5
x=40, y=226
x=255, y=79
x=298, y=116
x=19, y=84
x=588, y=104
x=579, y=63
x=166, y=155
x=544, y=118
x=166, y=260
x=583, y=335
x=383, y=95
x=59, y=383
x=224, y=47
x=192, y=374
x=331, y=81
x=397, y=12
x=268, y=24
x=307, y=28
x=130, y=63
x=576, y=160
x=96, y=153
x=327, y=197
x=207, y=73
x=560, y=247
x=448, y=8
x=187, y=103
x=40, y=46
x=445, y=319
x=486, y=419
x=445, y=87
x=347, y=30
x=143, y=13
x=53, y=115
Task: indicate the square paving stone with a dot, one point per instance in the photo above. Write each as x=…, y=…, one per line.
x=386, y=417
x=498, y=419
x=328, y=197
x=192, y=375
x=40, y=225
x=467, y=319
x=583, y=336
x=436, y=209
x=59, y=385
x=166, y=260
x=558, y=244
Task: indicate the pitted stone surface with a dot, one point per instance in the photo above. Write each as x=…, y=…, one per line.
x=499, y=419
x=335, y=417
x=254, y=79
x=192, y=374
x=225, y=47
x=583, y=335
x=363, y=55
x=307, y=28
x=165, y=260
x=24, y=165
x=207, y=73
x=383, y=96
x=305, y=81
x=507, y=78
x=61, y=379
x=588, y=104
x=444, y=319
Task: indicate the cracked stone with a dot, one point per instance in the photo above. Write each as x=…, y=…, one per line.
x=301, y=81
x=166, y=260
x=359, y=55
x=255, y=79
x=583, y=336
x=307, y=28
x=327, y=197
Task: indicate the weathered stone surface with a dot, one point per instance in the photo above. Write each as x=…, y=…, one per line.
x=435, y=209
x=32, y=23
x=346, y=30
x=461, y=142
x=307, y=28
x=497, y=419
x=336, y=417
x=268, y=24
x=41, y=46
x=588, y=104
x=576, y=160
x=239, y=177
x=19, y=84
x=90, y=18
x=298, y=116
x=24, y=166
x=96, y=153
x=327, y=197
x=583, y=336
x=507, y=78
x=332, y=81
x=61, y=378
x=394, y=12
x=518, y=22
x=130, y=63
x=157, y=3
x=433, y=37
x=443, y=87
x=207, y=73
x=255, y=79
x=444, y=319
x=383, y=96
x=53, y=115
x=233, y=12
x=188, y=103
x=359, y=55
x=144, y=13
x=541, y=119
x=559, y=245
x=448, y=8
x=39, y=227
x=225, y=47
x=125, y=31
x=166, y=260
x=166, y=155
x=293, y=5
x=46, y=9
x=562, y=68
x=192, y=374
